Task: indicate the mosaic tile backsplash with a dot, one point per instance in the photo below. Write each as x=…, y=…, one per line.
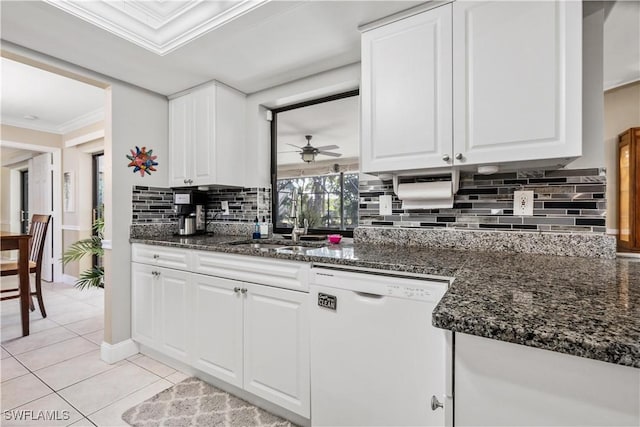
x=155, y=204
x=571, y=200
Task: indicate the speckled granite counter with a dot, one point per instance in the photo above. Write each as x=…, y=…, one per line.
x=579, y=306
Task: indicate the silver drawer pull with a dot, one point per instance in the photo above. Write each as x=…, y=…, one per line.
x=243, y=290
x=156, y=256
x=236, y=289
x=435, y=403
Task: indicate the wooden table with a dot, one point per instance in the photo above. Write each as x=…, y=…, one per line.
x=12, y=241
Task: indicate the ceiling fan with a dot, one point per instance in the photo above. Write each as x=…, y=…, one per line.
x=308, y=152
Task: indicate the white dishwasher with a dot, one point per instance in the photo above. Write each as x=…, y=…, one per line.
x=376, y=360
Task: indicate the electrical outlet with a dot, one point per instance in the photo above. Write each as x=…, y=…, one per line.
x=385, y=205
x=523, y=203
x=225, y=207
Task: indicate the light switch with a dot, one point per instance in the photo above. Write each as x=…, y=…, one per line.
x=385, y=205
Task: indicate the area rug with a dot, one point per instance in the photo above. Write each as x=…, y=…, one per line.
x=193, y=402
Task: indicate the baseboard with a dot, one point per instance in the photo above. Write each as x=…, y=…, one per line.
x=68, y=279
x=112, y=353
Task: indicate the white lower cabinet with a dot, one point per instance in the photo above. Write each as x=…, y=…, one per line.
x=254, y=337
x=218, y=310
x=161, y=309
x=276, y=346
x=503, y=384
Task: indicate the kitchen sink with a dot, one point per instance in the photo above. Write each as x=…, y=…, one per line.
x=279, y=246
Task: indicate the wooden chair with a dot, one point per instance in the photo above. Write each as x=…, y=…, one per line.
x=38, y=231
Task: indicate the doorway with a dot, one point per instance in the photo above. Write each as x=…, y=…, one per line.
x=97, y=210
x=24, y=201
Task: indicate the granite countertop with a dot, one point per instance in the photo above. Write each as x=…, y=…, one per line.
x=579, y=306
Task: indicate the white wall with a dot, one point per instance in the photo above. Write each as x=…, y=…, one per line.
x=138, y=118
x=258, y=135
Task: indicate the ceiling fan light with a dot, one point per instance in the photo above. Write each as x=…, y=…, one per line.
x=307, y=157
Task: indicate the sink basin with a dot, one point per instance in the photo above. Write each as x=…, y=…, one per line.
x=258, y=245
x=296, y=249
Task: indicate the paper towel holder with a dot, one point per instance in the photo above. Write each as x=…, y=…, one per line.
x=455, y=181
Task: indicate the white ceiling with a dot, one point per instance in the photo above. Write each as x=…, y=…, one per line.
x=59, y=103
x=621, y=43
x=275, y=43
x=330, y=123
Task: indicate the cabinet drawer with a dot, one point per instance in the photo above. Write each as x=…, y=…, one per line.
x=179, y=259
x=264, y=271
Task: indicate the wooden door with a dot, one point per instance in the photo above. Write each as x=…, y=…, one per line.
x=175, y=313
x=180, y=140
x=145, y=326
x=629, y=190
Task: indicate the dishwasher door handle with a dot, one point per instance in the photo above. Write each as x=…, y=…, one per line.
x=366, y=296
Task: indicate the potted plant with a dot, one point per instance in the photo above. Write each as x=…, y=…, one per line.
x=94, y=276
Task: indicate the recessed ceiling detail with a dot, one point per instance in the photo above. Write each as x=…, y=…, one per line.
x=160, y=26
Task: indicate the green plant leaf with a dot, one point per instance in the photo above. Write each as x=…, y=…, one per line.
x=77, y=250
x=92, y=278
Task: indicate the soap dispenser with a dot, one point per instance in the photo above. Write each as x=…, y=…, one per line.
x=264, y=228
x=256, y=229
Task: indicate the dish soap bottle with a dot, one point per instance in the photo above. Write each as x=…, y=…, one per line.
x=256, y=229
x=264, y=229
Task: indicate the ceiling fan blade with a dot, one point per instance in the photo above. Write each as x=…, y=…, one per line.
x=295, y=146
x=290, y=151
x=330, y=153
x=328, y=147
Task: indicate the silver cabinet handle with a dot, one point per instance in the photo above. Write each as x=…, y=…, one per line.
x=446, y=157
x=155, y=273
x=459, y=156
x=156, y=256
x=435, y=403
x=236, y=289
x=186, y=181
x=243, y=290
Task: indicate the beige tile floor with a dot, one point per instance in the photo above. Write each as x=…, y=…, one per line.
x=58, y=367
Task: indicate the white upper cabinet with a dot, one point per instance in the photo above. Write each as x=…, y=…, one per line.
x=517, y=80
x=473, y=83
x=406, y=93
x=207, y=137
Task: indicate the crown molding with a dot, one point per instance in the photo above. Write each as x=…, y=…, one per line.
x=81, y=121
x=157, y=26
x=66, y=127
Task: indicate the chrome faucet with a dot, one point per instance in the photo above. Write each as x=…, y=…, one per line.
x=297, y=231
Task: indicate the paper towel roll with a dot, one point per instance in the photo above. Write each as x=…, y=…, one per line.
x=426, y=195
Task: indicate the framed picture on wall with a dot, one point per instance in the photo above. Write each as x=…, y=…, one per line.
x=68, y=191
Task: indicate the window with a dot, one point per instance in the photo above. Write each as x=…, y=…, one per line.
x=315, y=161
x=328, y=202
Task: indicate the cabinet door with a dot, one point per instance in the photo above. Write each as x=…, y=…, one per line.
x=145, y=327
x=217, y=345
x=174, y=313
x=406, y=93
x=276, y=347
x=517, y=80
x=230, y=137
x=180, y=137
x=203, y=149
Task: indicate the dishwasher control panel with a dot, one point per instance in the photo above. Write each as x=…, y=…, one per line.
x=404, y=291
x=382, y=284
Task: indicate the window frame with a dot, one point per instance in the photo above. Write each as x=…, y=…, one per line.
x=274, y=162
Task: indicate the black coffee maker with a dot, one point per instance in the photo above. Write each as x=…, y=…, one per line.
x=190, y=206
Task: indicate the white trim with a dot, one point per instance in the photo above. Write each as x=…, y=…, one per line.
x=628, y=255
x=27, y=146
x=106, y=244
x=30, y=124
x=91, y=136
x=18, y=158
x=71, y=227
x=612, y=231
x=81, y=121
x=402, y=15
x=69, y=279
x=160, y=36
x=112, y=353
x=620, y=84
